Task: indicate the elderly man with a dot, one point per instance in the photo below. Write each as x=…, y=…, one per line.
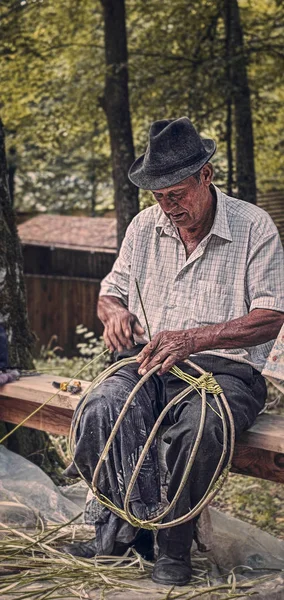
x=210, y=272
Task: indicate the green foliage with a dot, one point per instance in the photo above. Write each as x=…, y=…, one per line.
x=89, y=348
x=52, y=69
x=52, y=82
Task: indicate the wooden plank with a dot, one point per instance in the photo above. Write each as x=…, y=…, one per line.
x=38, y=388
x=259, y=452
x=52, y=419
x=255, y=462
x=272, y=194
x=266, y=433
x=67, y=262
x=258, y=462
x=20, y=398
x=273, y=203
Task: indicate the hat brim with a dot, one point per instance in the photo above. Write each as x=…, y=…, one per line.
x=145, y=181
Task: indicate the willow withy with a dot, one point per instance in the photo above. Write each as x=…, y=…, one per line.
x=203, y=384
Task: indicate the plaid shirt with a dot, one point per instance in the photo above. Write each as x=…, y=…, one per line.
x=237, y=267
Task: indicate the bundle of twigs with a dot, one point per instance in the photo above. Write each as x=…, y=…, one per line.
x=32, y=568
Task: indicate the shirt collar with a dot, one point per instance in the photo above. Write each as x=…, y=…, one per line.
x=220, y=225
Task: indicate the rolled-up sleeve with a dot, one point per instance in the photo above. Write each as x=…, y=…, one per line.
x=265, y=274
x=116, y=283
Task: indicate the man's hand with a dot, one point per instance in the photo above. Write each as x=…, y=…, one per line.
x=167, y=347
x=257, y=327
x=119, y=323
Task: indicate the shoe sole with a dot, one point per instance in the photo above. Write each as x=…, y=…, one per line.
x=170, y=582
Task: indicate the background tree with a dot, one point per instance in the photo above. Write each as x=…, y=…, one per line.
x=53, y=76
x=13, y=317
x=116, y=105
x=13, y=312
x=239, y=97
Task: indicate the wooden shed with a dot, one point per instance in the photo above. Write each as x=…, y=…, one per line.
x=65, y=259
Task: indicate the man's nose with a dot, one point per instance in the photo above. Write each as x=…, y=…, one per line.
x=168, y=203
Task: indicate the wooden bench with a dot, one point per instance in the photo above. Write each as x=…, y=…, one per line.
x=259, y=452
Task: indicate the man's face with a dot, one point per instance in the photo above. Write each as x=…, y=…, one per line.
x=187, y=203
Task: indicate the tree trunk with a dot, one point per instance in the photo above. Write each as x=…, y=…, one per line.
x=12, y=168
x=229, y=148
x=13, y=316
x=116, y=105
x=13, y=312
x=230, y=166
x=245, y=171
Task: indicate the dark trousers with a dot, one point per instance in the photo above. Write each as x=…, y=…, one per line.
x=245, y=390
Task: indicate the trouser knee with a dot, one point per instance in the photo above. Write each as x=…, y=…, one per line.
x=107, y=397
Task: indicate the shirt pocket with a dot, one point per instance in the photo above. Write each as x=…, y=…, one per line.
x=213, y=303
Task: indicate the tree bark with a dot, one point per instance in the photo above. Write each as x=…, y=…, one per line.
x=13, y=316
x=13, y=312
x=116, y=105
x=230, y=165
x=12, y=168
x=240, y=93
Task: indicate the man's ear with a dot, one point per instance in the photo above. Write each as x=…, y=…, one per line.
x=206, y=174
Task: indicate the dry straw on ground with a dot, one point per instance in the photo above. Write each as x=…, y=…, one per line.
x=33, y=568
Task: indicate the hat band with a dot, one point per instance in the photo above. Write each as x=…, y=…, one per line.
x=179, y=165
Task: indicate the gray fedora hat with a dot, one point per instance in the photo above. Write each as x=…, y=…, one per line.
x=175, y=151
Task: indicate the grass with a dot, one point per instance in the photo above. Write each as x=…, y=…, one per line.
x=255, y=501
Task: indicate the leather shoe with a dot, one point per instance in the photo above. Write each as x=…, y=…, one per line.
x=143, y=543
x=83, y=549
x=172, y=571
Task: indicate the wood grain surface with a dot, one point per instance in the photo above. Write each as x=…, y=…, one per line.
x=259, y=452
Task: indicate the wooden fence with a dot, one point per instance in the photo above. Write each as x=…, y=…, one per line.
x=273, y=203
x=68, y=262
x=56, y=304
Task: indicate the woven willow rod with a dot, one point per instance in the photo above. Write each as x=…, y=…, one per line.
x=206, y=383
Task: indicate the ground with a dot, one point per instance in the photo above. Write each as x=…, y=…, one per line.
x=256, y=501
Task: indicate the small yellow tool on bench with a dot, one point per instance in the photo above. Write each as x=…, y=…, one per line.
x=73, y=388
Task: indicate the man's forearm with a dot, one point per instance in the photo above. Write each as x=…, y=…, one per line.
x=258, y=327
x=107, y=304
x=168, y=347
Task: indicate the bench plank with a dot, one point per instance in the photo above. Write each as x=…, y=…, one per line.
x=53, y=419
x=267, y=433
x=38, y=388
x=259, y=452
x=258, y=462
